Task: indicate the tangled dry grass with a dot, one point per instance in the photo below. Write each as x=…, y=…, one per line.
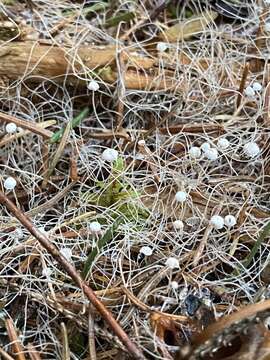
x=194, y=91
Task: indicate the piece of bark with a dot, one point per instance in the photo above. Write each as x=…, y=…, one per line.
x=33, y=61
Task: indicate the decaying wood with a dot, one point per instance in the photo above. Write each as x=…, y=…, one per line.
x=34, y=61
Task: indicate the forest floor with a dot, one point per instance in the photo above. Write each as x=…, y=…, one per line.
x=134, y=135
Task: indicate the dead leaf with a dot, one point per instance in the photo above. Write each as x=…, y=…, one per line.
x=187, y=28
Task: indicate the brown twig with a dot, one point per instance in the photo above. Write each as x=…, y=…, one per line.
x=71, y=271
x=242, y=85
x=5, y=355
x=33, y=354
x=31, y=126
x=91, y=336
x=15, y=342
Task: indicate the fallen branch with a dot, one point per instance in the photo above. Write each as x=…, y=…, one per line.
x=71, y=271
x=35, y=61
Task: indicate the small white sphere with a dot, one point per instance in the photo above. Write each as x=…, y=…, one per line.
x=10, y=183
x=257, y=86
x=141, y=143
x=110, y=155
x=178, y=224
x=67, y=253
x=93, y=85
x=205, y=146
x=211, y=154
x=251, y=149
x=195, y=152
x=161, y=46
x=174, y=285
x=11, y=128
x=146, y=250
x=230, y=221
x=267, y=27
x=217, y=222
x=249, y=91
x=94, y=227
x=172, y=263
x=181, y=196
x=223, y=143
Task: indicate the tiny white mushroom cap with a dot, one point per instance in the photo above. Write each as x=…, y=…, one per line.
x=251, y=149
x=66, y=252
x=257, y=86
x=146, y=250
x=110, y=155
x=223, y=143
x=174, y=285
x=10, y=183
x=178, y=224
x=161, y=46
x=249, y=91
x=141, y=142
x=195, y=152
x=11, y=128
x=230, y=221
x=217, y=222
x=205, y=146
x=172, y=263
x=181, y=196
x=211, y=154
x=93, y=85
x=95, y=226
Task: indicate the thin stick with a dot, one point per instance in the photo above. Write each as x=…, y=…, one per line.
x=242, y=85
x=15, y=342
x=33, y=353
x=28, y=125
x=71, y=271
x=91, y=336
x=5, y=355
x=66, y=351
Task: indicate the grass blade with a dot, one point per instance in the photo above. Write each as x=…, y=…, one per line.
x=73, y=124
x=100, y=244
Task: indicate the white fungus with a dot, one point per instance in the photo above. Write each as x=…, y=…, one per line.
x=223, y=143
x=141, y=143
x=251, y=149
x=109, y=155
x=195, y=152
x=217, y=222
x=67, y=253
x=249, y=91
x=94, y=227
x=178, y=224
x=174, y=285
x=181, y=196
x=146, y=250
x=267, y=27
x=257, y=86
x=11, y=128
x=93, y=85
x=230, y=221
x=205, y=146
x=161, y=46
x=10, y=183
x=172, y=263
x=211, y=154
